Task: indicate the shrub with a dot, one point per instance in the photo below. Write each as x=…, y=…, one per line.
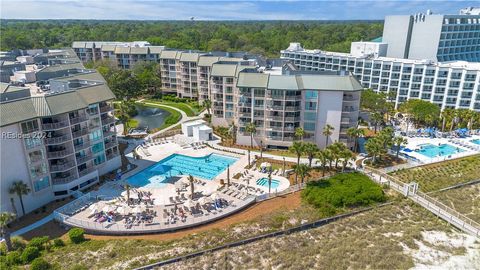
x=14, y=258
x=342, y=190
x=39, y=242
x=18, y=243
x=76, y=235
x=57, y=242
x=40, y=264
x=29, y=254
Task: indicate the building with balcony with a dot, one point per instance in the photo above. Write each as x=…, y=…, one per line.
x=58, y=134
x=280, y=103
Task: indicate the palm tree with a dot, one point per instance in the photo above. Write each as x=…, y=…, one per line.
x=5, y=219
x=233, y=133
x=311, y=150
x=208, y=105
x=127, y=188
x=123, y=115
x=301, y=170
x=335, y=150
x=398, y=142
x=376, y=119
x=252, y=129
x=269, y=180
x=192, y=188
x=248, y=152
x=300, y=133
x=327, y=132
x=374, y=148
x=355, y=133
x=323, y=158
x=446, y=115
x=20, y=188
x=297, y=148
x=346, y=156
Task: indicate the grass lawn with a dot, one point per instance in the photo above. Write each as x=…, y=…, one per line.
x=189, y=110
x=444, y=174
x=465, y=200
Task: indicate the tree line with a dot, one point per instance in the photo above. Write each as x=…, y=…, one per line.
x=263, y=37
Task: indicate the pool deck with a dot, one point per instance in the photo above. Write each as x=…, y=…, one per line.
x=241, y=193
x=468, y=147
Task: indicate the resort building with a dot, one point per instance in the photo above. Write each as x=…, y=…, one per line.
x=280, y=102
x=413, y=59
x=58, y=133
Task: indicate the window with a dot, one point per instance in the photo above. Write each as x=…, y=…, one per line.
x=98, y=147
x=41, y=184
x=310, y=105
x=99, y=159
x=95, y=135
x=38, y=170
x=309, y=126
x=309, y=116
x=311, y=94
x=35, y=156
x=32, y=142
x=30, y=126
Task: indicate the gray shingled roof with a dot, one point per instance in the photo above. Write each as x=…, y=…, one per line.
x=329, y=82
x=156, y=49
x=16, y=111
x=283, y=82
x=78, y=44
x=108, y=48
x=122, y=50
x=189, y=57
x=169, y=54
x=207, y=61
x=95, y=94
x=139, y=50
x=257, y=80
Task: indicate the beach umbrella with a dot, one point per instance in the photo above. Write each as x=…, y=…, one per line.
x=93, y=208
x=189, y=203
x=122, y=210
x=214, y=196
x=108, y=208
x=138, y=209
x=204, y=200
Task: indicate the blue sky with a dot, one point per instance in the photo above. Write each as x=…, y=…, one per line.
x=222, y=10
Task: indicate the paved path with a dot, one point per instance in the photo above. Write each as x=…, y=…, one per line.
x=33, y=225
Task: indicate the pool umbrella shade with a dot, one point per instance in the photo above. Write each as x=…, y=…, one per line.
x=93, y=208
x=189, y=203
x=205, y=200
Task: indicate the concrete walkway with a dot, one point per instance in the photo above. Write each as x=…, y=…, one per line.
x=33, y=225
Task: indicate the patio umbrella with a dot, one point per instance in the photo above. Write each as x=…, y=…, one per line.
x=214, y=196
x=93, y=208
x=122, y=210
x=204, y=200
x=189, y=203
x=138, y=209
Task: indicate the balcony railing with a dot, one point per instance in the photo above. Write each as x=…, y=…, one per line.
x=83, y=159
x=108, y=133
x=106, y=108
x=292, y=108
x=78, y=119
x=62, y=167
x=110, y=144
x=292, y=118
x=107, y=120
x=59, y=154
x=57, y=139
x=86, y=171
x=58, y=180
x=80, y=132
x=112, y=155
x=57, y=125
x=81, y=146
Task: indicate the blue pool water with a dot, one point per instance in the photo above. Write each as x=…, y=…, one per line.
x=432, y=151
x=476, y=141
x=157, y=175
x=264, y=183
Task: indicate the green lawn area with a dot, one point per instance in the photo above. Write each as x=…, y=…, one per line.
x=441, y=175
x=189, y=110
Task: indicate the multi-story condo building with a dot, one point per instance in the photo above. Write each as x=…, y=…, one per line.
x=57, y=134
x=279, y=102
x=433, y=36
x=170, y=71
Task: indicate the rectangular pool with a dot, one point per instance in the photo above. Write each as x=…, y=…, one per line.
x=264, y=183
x=157, y=175
x=432, y=151
x=476, y=141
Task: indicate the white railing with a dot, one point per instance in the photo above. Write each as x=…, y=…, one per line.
x=441, y=210
x=160, y=225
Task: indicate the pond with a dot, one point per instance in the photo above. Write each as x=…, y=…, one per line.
x=151, y=117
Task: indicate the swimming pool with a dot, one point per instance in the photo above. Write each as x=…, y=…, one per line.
x=476, y=141
x=157, y=175
x=431, y=151
x=264, y=183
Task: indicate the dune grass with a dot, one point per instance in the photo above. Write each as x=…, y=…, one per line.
x=465, y=200
x=444, y=174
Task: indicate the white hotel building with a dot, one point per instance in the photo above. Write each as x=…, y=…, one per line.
x=421, y=56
